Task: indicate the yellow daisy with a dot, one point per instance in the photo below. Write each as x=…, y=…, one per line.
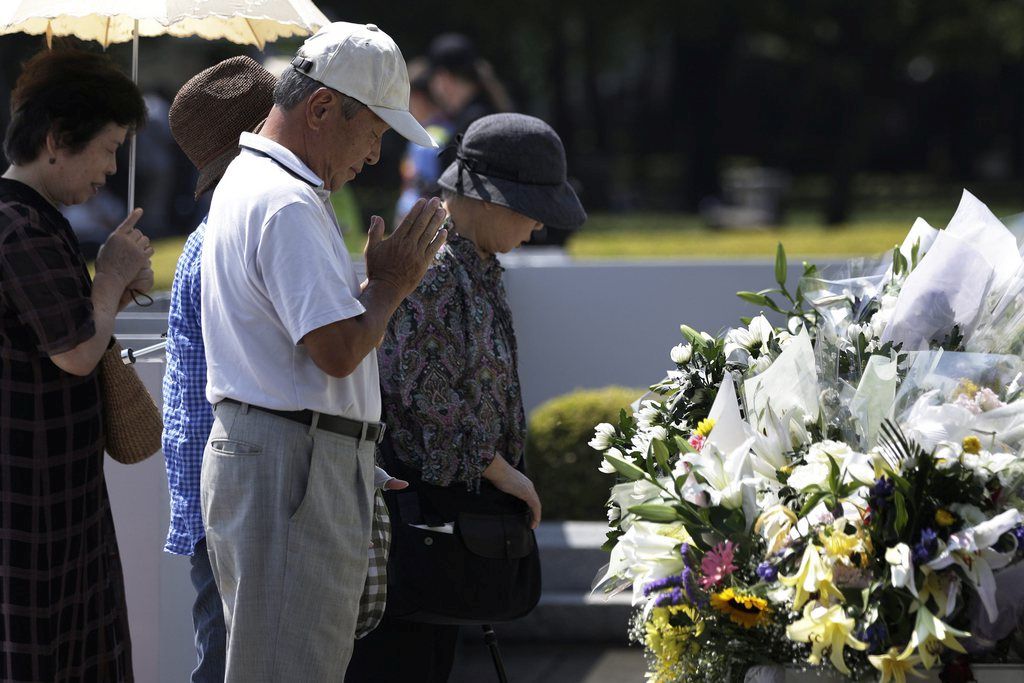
x=705, y=426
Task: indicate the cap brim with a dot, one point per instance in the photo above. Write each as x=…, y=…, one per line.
x=406, y=125
x=211, y=174
x=556, y=206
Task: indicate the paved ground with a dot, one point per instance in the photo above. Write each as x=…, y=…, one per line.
x=548, y=663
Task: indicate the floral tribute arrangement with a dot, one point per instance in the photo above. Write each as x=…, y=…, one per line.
x=844, y=490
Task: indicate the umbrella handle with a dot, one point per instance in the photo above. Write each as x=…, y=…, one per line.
x=131, y=145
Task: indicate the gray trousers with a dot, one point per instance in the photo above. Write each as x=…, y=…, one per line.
x=287, y=510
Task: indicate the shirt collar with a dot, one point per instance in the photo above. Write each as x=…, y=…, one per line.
x=465, y=251
x=281, y=155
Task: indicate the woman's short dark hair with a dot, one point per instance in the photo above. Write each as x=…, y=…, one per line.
x=73, y=93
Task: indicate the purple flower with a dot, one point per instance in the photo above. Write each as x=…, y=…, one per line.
x=766, y=572
x=692, y=594
x=673, y=597
x=673, y=581
x=1018, y=533
x=875, y=636
x=880, y=493
x=925, y=547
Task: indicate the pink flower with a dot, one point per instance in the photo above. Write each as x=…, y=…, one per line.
x=697, y=441
x=717, y=564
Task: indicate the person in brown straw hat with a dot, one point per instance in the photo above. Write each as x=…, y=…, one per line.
x=207, y=117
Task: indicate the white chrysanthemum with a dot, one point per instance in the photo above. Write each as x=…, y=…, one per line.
x=647, y=414
x=606, y=466
x=681, y=354
x=603, y=434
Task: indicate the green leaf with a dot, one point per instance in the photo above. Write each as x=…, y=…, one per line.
x=780, y=265
x=684, y=445
x=833, y=474
x=812, y=501
x=653, y=512
x=628, y=470
x=661, y=454
x=692, y=335
x=753, y=298
x=901, y=512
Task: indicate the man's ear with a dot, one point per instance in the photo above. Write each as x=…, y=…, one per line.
x=318, y=107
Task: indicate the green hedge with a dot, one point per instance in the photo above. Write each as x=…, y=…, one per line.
x=560, y=463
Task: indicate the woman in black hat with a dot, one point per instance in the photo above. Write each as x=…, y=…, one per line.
x=449, y=379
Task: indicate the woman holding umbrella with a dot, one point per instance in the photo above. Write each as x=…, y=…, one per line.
x=62, y=607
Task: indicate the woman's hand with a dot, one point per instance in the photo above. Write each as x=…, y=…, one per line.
x=126, y=254
x=142, y=284
x=506, y=478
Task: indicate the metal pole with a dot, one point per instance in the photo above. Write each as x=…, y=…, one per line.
x=131, y=147
x=492, y=644
x=129, y=356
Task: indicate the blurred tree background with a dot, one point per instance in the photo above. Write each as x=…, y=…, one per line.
x=862, y=104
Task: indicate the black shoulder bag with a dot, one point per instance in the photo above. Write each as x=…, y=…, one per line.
x=458, y=557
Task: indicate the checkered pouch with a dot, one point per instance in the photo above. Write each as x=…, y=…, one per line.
x=375, y=592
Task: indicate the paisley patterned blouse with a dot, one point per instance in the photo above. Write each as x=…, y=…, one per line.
x=448, y=367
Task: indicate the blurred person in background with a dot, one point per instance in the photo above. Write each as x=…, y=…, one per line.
x=449, y=368
x=209, y=113
x=463, y=84
x=62, y=608
x=421, y=166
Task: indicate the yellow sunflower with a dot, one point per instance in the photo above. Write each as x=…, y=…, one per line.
x=742, y=608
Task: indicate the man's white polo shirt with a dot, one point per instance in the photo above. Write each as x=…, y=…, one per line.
x=274, y=268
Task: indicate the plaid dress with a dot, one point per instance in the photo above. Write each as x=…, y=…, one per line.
x=62, y=607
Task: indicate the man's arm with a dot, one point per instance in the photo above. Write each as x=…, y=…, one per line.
x=394, y=267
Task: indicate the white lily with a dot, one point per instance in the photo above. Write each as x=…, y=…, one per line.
x=774, y=526
x=901, y=567
x=632, y=493
x=727, y=477
x=777, y=439
x=930, y=635
x=645, y=553
x=826, y=628
x=971, y=550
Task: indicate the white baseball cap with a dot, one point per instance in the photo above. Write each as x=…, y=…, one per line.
x=363, y=62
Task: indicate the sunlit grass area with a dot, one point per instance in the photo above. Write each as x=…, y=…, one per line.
x=650, y=237
x=670, y=236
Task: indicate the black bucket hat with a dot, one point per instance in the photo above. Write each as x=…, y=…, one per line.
x=518, y=162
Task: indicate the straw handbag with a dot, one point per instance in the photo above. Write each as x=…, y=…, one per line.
x=131, y=420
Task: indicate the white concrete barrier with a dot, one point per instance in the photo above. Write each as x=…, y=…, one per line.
x=578, y=325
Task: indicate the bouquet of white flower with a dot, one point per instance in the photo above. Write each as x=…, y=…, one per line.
x=843, y=490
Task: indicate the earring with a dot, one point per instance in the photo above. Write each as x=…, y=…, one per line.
x=53, y=160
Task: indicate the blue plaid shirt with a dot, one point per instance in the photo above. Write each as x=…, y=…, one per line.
x=188, y=418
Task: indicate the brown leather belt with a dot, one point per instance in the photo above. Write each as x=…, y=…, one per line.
x=364, y=431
